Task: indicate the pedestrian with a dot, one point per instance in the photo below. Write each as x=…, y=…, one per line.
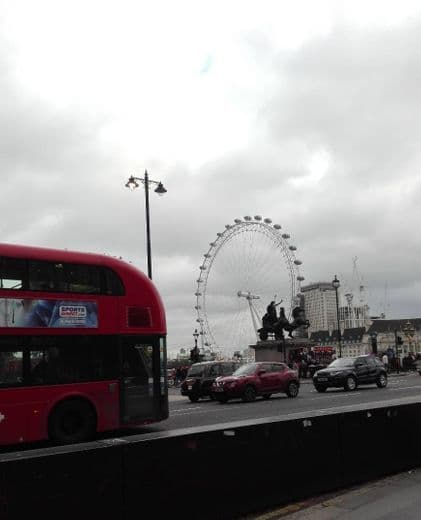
x=177, y=376
x=303, y=367
x=385, y=361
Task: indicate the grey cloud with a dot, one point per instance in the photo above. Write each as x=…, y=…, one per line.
x=353, y=93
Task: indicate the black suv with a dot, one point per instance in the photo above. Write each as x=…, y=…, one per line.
x=200, y=378
x=351, y=372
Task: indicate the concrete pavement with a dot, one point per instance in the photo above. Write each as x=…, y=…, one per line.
x=393, y=498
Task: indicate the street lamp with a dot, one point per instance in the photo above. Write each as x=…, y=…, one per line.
x=132, y=184
x=336, y=285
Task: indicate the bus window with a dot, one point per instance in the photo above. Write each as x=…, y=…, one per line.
x=83, y=279
x=60, y=365
x=105, y=358
x=45, y=276
x=113, y=284
x=12, y=273
x=59, y=360
x=11, y=368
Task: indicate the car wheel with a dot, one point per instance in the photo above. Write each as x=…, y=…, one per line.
x=266, y=396
x=350, y=383
x=292, y=389
x=222, y=399
x=72, y=421
x=194, y=398
x=320, y=388
x=382, y=381
x=249, y=394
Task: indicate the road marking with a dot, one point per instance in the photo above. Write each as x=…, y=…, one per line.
x=404, y=388
x=184, y=409
x=183, y=413
x=334, y=396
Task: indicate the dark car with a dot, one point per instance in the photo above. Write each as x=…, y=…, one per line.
x=201, y=377
x=255, y=379
x=350, y=372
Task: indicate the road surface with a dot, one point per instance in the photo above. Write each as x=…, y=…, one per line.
x=184, y=414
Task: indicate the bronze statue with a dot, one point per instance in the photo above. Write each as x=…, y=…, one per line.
x=271, y=324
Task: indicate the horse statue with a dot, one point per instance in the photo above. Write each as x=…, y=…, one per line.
x=271, y=324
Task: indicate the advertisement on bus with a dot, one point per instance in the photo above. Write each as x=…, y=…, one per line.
x=27, y=312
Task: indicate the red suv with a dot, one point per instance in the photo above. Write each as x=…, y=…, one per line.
x=255, y=379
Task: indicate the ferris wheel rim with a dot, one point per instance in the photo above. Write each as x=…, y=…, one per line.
x=271, y=230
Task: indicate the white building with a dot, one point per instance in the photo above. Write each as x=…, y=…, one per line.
x=352, y=316
x=320, y=306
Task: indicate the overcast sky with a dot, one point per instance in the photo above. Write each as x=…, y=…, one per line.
x=305, y=112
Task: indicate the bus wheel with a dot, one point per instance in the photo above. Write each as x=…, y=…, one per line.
x=72, y=421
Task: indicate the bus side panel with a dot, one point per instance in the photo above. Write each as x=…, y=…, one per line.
x=13, y=417
x=29, y=422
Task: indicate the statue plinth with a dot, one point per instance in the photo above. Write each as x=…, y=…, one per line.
x=278, y=350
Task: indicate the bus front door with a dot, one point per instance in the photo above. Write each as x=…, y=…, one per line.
x=137, y=386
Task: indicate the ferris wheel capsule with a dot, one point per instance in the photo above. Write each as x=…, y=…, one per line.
x=297, y=262
x=292, y=248
x=268, y=221
x=197, y=293
x=247, y=217
x=212, y=244
x=202, y=267
x=237, y=221
x=207, y=255
x=277, y=226
x=286, y=235
x=300, y=278
x=257, y=217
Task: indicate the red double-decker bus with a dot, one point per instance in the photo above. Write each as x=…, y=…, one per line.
x=82, y=346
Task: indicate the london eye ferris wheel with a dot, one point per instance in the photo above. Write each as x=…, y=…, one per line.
x=250, y=263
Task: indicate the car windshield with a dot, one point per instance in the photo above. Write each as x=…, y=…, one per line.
x=246, y=370
x=195, y=370
x=342, y=362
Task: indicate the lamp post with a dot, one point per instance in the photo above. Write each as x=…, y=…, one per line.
x=132, y=184
x=195, y=336
x=194, y=354
x=374, y=342
x=409, y=331
x=336, y=285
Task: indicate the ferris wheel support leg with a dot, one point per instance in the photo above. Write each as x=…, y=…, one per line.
x=253, y=318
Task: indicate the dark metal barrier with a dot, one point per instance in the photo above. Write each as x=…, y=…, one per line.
x=81, y=482
x=219, y=472
x=232, y=470
x=378, y=441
